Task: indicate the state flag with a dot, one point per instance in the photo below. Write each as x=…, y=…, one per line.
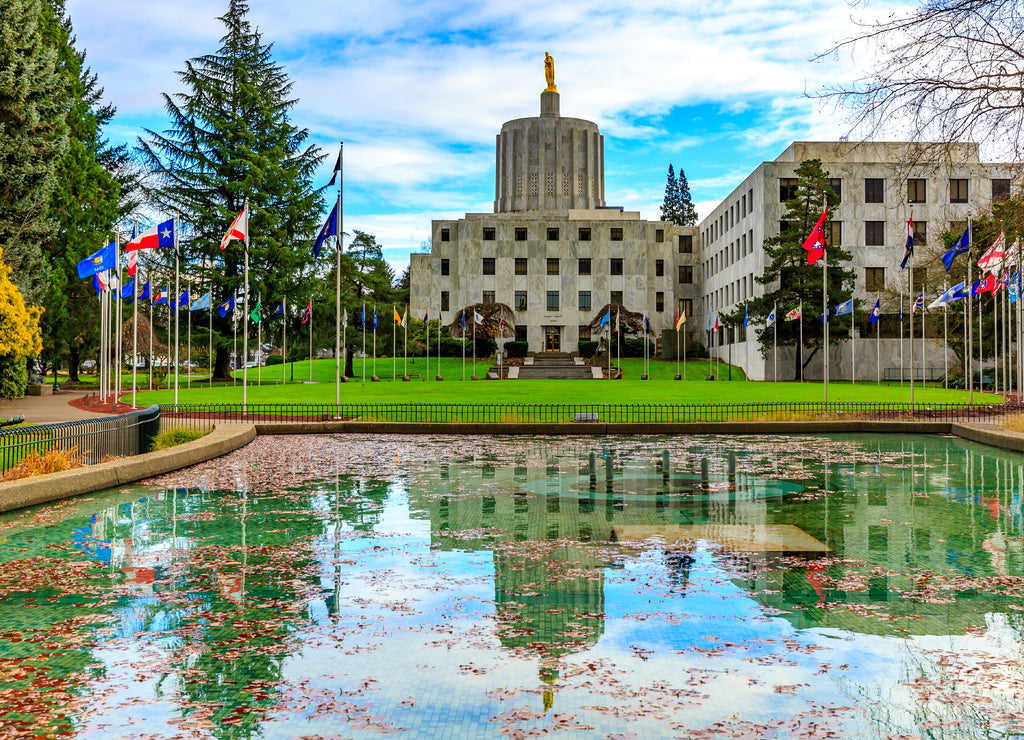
x=201, y=303
x=398, y=319
x=330, y=228
x=99, y=261
x=337, y=169
x=228, y=305
x=161, y=296
x=144, y=295
x=844, y=308
x=960, y=246
x=918, y=303
x=128, y=290
x=876, y=312
x=279, y=309
x=161, y=235
x=795, y=314
x=771, y=317
x=239, y=228
x=680, y=319
x=908, y=249
x=815, y=243
x=992, y=260
x=307, y=312
x=255, y=313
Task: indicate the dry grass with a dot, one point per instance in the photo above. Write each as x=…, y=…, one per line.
x=52, y=461
x=1012, y=423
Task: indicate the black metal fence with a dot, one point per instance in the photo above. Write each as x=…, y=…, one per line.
x=205, y=415
x=109, y=436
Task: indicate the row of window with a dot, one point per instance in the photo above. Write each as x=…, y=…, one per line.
x=917, y=189
x=554, y=266
x=874, y=278
x=520, y=301
x=729, y=217
x=735, y=250
x=585, y=234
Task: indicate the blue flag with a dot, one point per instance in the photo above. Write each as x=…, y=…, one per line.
x=128, y=290
x=463, y=323
x=182, y=300
x=104, y=259
x=959, y=247
x=228, y=305
x=280, y=309
x=604, y=320
x=375, y=317
x=876, y=312
x=746, y=315
x=144, y=295
x=201, y=303
x=161, y=296
x=330, y=229
x=844, y=308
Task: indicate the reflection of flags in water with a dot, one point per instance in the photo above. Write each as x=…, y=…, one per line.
x=307, y=311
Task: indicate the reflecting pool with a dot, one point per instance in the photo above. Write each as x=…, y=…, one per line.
x=464, y=587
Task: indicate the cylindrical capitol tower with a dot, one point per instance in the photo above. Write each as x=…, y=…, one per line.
x=549, y=163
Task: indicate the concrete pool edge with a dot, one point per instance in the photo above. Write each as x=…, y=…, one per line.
x=42, y=489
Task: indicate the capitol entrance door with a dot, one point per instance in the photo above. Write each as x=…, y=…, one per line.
x=553, y=339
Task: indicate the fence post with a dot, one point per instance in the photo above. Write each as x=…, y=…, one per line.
x=149, y=427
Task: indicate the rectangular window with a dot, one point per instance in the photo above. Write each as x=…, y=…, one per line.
x=520, y=234
x=520, y=336
x=659, y=235
x=874, y=190
x=787, y=189
x=835, y=233
x=520, y=300
x=520, y=265
x=836, y=183
x=584, y=300
x=552, y=265
x=616, y=235
x=659, y=301
x=616, y=297
x=1000, y=190
x=616, y=266
x=444, y=300
x=874, y=279
x=488, y=266
x=584, y=265
x=446, y=234
x=958, y=190
x=874, y=233
x=584, y=233
x=685, y=244
x=445, y=267
x=920, y=232
x=488, y=296
x=552, y=234
x=685, y=273
x=552, y=300
x=917, y=190
x=584, y=333
x=659, y=268
x=920, y=278
x=489, y=233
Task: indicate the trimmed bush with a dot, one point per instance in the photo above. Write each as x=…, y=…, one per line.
x=587, y=348
x=696, y=348
x=634, y=347
x=274, y=360
x=516, y=349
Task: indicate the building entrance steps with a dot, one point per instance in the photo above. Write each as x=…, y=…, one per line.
x=555, y=367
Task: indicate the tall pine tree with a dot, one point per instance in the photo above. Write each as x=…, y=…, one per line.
x=86, y=200
x=33, y=138
x=677, y=207
x=788, y=278
x=230, y=140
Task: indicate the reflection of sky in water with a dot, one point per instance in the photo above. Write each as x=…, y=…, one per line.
x=442, y=600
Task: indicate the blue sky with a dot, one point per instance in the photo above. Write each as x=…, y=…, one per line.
x=419, y=89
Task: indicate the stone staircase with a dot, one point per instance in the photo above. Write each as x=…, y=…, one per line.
x=555, y=366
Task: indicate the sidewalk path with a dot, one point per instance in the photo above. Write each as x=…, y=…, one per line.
x=46, y=409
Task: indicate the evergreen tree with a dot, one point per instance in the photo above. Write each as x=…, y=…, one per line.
x=678, y=207
x=33, y=138
x=789, y=279
x=230, y=140
x=19, y=335
x=86, y=200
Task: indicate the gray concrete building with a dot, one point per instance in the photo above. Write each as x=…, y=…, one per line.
x=877, y=189
x=552, y=250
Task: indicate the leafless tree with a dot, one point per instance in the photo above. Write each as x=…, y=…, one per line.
x=947, y=71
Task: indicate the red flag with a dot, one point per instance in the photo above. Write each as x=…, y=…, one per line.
x=307, y=311
x=133, y=263
x=815, y=242
x=986, y=285
x=239, y=228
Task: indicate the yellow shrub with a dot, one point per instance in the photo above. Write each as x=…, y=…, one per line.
x=52, y=461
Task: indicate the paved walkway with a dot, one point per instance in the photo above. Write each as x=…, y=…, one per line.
x=46, y=409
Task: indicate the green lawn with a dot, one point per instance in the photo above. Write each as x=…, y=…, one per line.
x=660, y=389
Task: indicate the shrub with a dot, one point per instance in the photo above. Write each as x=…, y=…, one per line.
x=587, y=348
x=274, y=360
x=485, y=347
x=13, y=376
x=177, y=436
x=696, y=348
x=634, y=347
x=516, y=349
x=52, y=461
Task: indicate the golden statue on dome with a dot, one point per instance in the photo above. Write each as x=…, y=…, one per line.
x=549, y=73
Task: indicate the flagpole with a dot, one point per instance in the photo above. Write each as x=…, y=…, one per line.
x=209, y=334
x=337, y=288
x=168, y=334
x=969, y=354
x=394, y=346
x=310, y=320
x=150, y=281
x=284, y=339
x=924, y=353
x=677, y=345
x=463, y=344
x=364, y=342
x=439, y=376
x=801, y=319
x=374, y=342
x=684, y=348
x=901, y=338
x=775, y=342
x=117, y=345
x=188, y=305
x=245, y=317
x=945, y=338
x=135, y=325
x=473, y=374
x=259, y=342
x=853, y=353
x=234, y=342
x=913, y=307
x=824, y=298
x=177, y=295
x=878, y=344
x=405, y=344
x=103, y=340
